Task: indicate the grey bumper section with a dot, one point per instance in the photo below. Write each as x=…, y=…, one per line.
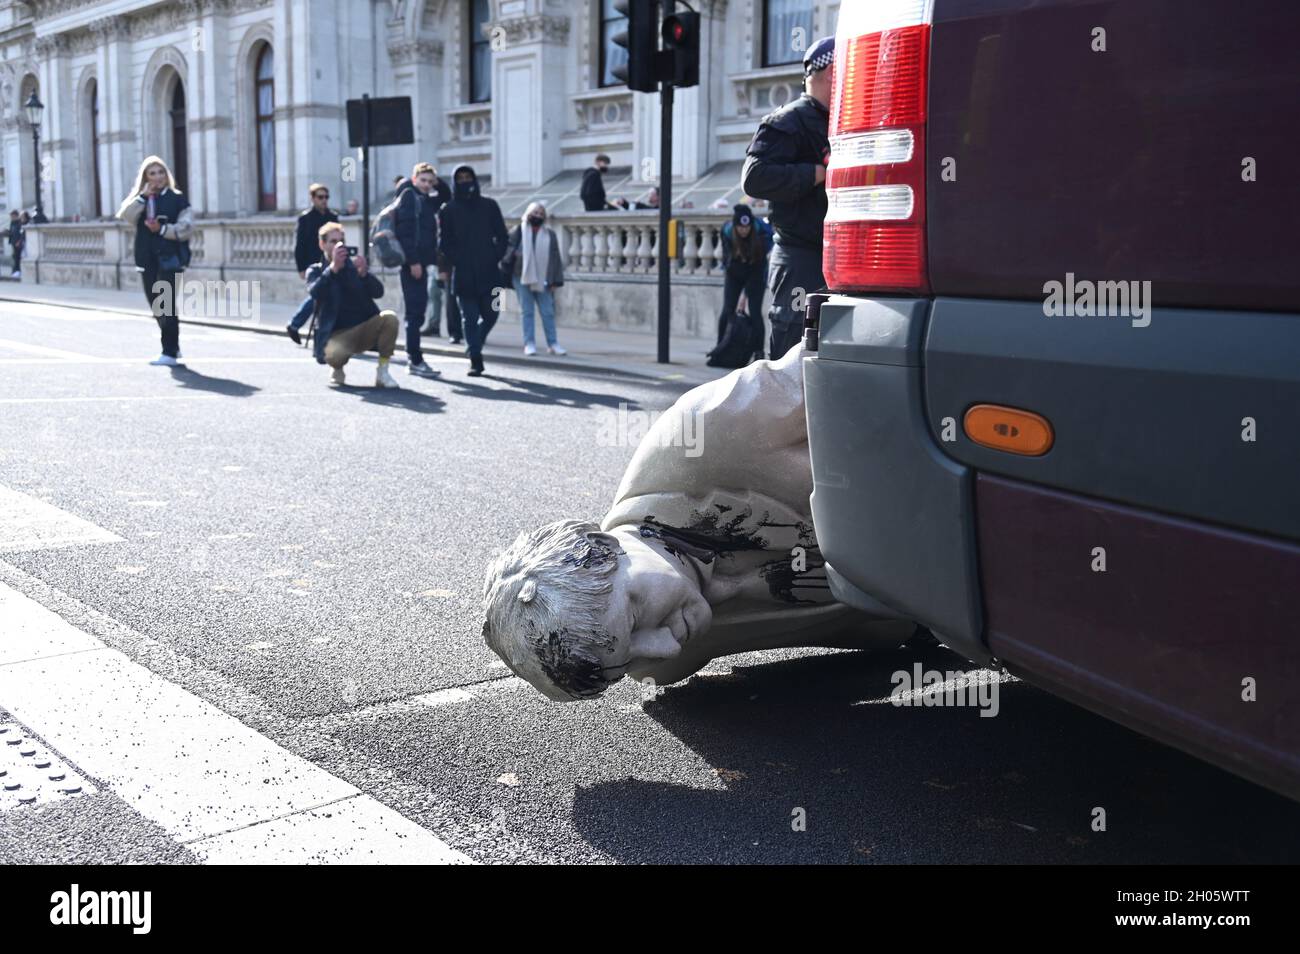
x=895, y=517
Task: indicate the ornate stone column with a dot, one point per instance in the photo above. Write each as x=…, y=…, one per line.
x=59, y=173
x=211, y=108
x=118, y=145
x=417, y=66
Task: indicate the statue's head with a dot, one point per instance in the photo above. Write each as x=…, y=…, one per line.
x=572, y=609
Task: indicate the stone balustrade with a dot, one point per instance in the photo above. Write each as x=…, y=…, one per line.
x=610, y=258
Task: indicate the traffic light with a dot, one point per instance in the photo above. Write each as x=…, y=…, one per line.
x=642, y=70
x=681, y=34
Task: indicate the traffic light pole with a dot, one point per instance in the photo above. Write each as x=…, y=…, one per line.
x=365, y=176
x=665, y=201
x=665, y=213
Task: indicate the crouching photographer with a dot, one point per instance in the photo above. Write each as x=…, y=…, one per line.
x=348, y=322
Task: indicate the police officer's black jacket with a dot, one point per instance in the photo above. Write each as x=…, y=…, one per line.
x=780, y=167
x=306, y=245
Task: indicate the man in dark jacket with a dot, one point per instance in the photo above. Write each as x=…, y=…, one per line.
x=348, y=321
x=472, y=241
x=305, y=249
x=592, y=192
x=786, y=164
x=416, y=227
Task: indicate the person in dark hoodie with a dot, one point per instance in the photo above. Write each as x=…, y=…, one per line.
x=305, y=251
x=592, y=192
x=472, y=240
x=417, y=229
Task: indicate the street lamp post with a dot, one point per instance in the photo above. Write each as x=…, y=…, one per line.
x=34, y=109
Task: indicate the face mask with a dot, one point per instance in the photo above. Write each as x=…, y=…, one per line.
x=536, y=220
x=465, y=190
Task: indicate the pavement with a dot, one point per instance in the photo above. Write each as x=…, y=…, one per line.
x=629, y=353
x=240, y=616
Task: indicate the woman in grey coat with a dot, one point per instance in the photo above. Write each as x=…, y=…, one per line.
x=534, y=261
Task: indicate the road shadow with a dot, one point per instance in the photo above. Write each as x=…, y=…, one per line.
x=404, y=398
x=533, y=392
x=197, y=381
x=798, y=743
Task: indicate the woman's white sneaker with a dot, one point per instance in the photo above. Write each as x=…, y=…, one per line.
x=530, y=349
x=383, y=379
x=165, y=360
x=337, y=376
x=556, y=349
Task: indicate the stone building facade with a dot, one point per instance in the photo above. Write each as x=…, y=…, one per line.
x=245, y=98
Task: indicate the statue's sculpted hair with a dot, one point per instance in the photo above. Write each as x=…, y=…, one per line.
x=544, y=599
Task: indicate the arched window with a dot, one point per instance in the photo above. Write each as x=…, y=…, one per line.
x=92, y=94
x=180, y=141
x=264, y=72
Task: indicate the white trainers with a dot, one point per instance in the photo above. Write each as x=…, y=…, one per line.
x=556, y=349
x=165, y=360
x=337, y=376
x=530, y=349
x=383, y=379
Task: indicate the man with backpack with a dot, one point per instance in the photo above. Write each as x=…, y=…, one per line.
x=416, y=229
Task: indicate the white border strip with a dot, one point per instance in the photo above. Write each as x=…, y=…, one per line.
x=229, y=793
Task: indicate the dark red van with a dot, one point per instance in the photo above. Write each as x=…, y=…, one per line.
x=1054, y=401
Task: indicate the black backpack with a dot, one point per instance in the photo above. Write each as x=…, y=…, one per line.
x=741, y=339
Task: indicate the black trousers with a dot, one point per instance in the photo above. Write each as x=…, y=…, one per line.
x=750, y=279
x=160, y=290
x=793, y=275
x=480, y=314
x=415, y=296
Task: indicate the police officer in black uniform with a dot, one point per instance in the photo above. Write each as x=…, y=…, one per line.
x=786, y=164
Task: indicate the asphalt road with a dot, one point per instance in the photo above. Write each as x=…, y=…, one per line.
x=309, y=560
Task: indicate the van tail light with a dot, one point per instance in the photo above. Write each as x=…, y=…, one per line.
x=874, y=237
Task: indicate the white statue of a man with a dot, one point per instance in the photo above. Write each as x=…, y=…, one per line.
x=708, y=550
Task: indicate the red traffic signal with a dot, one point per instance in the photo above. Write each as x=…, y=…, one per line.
x=681, y=36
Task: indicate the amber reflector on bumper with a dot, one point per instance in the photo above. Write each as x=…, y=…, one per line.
x=1009, y=429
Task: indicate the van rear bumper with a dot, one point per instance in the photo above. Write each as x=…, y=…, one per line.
x=1186, y=632
x=1189, y=634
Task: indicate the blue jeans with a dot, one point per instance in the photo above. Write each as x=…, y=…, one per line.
x=435, y=299
x=545, y=302
x=478, y=316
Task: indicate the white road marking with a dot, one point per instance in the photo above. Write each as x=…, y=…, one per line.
x=258, y=395
x=43, y=351
x=229, y=793
x=353, y=831
x=28, y=524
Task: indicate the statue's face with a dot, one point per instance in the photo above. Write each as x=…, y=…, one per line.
x=656, y=606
